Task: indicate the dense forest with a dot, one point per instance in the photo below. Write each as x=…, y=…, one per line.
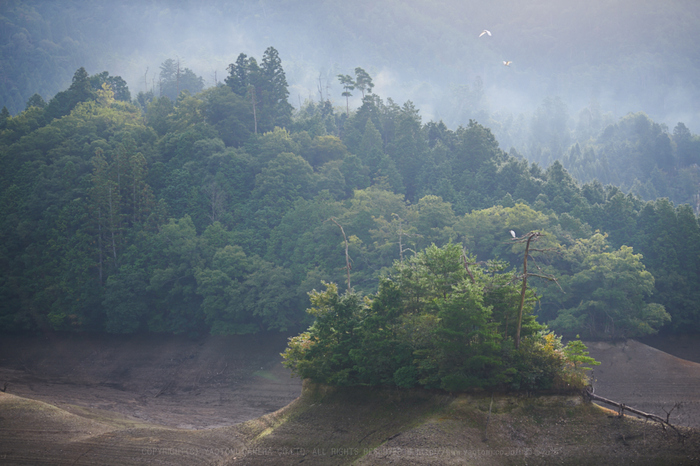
x=219, y=211
x=576, y=68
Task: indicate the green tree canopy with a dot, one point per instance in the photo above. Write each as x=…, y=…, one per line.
x=431, y=324
x=606, y=296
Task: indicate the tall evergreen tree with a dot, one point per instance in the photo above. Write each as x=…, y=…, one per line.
x=174, y=80
x=4, y=116
x=35, y=101
x=348, y=85
x=116, y=84
x=265, y=87
x=363, y=81
x=64, y=102
x=275, y=97
x=238, y=77
x=371, y=151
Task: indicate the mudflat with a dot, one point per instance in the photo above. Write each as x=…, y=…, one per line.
x=649, y=379
x=96, y=399
x=171, y=381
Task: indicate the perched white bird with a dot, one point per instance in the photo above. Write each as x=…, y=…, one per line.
x=485, y=31
x=512, y=233
x=507, y=63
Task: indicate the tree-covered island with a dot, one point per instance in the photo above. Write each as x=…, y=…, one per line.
x=219, y=211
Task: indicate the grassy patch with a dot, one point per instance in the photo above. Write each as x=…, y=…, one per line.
x=266, y=375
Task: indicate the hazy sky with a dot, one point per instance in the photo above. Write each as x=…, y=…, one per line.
x=626, y=55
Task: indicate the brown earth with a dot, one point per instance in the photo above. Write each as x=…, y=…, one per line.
x=169, y=381
x=649, y=379
x=377, y=427
x=75, y=399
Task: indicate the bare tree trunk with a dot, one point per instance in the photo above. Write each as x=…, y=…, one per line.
x=178, y=79
x=522, y=293
x=347, y=255
x=400, y=239
x=111, y=216
x=320, y=88
x=133, y=216
x=99, y=239
x=218, y=201
x=255, y=118
x=466, y=266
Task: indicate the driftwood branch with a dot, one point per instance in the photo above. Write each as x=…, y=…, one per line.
x=668, y=413
x=621, y=408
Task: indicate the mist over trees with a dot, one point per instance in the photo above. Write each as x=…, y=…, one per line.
x=207, y=198
x=174, y=79
x=219, y=211
x=598, y=59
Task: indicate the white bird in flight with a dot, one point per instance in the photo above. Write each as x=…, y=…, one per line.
x=512, y=233
x=507, y=63
x=485, y=31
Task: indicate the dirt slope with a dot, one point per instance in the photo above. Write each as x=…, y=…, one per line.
x=170, y=381
x=376, y=427
x=648, y=379
x=34, y=432
x=150, y=400
x=353, y=426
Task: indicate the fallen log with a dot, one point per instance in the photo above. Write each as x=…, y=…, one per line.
x=622, y=407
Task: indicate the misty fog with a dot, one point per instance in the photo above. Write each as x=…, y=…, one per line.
x=612, y=57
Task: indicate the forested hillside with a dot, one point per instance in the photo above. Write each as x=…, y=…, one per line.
x=219, y=211
x=574, y=68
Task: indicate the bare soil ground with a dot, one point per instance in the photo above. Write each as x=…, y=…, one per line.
x=681, y=346
x=648, y=379
x=169, y=381
x=377, y=427
x=77, y=399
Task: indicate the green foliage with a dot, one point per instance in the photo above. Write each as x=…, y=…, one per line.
x=79, y=91
x=606, y=295
x=265, y=87
x=429, y=326
x=177, y=306
x=485, y=231
x=576, y=353
x=125, y=219
x=539, y=363
x=577, y=358
x=348, y=85
x=115, y=83
x=34, y=101
x=125, y=301
x=363, y=81
x=229, y=113
x=243, y=294
x=159, y=109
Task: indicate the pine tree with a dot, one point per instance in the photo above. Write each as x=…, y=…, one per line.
x=275, y=82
